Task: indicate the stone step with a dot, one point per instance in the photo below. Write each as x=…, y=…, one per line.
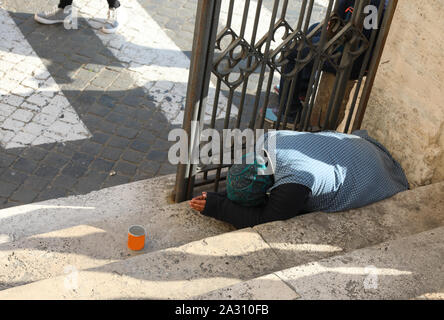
x=407, y=268
x=174, y=273
x=212, y=263
x=45, y=239
x=319, y=235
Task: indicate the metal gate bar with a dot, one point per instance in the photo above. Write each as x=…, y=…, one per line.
x=232, y=66
x=201, y=64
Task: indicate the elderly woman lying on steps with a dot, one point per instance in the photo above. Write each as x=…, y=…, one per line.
x=328, y=172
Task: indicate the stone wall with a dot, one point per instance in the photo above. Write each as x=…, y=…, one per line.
x=406, y=108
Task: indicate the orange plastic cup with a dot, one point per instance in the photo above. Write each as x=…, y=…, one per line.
x=136, y=238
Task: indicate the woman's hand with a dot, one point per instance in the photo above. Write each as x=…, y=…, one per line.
x=199, y=202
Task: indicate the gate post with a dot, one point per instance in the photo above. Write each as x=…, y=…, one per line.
x=207, y=18
x=374, y=65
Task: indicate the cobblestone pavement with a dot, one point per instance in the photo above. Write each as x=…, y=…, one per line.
x=81, y=110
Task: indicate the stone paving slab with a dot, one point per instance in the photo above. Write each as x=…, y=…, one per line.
x=269, y=287
x=176, y=273
x=309, y=241
x=408, y=265
x=396, y=270
x=316, y=236
x=42, y=240
x=407, y=268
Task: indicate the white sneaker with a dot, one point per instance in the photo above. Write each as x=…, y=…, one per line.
x=56, y=15
x=112, y=23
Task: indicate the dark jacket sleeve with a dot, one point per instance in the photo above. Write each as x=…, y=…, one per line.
x=285, y=202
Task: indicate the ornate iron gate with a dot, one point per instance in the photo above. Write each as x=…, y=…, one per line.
x=331, y=63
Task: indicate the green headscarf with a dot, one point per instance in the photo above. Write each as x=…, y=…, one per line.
x=245, y=186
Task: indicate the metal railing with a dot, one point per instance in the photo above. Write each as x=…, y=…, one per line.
x=338, y=57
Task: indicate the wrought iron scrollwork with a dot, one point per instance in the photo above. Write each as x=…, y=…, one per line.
x=239, y=56
x=295, y=42
x=334, y=49
x=282, y=23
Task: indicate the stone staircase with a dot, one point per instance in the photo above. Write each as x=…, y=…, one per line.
x=406, y=268
x=75, y=248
